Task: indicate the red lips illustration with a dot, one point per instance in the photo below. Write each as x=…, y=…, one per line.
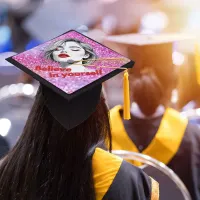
x=63, y=55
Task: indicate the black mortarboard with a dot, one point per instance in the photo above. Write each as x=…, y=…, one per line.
x=154, y=51
x=148, y=50
x=71, y=69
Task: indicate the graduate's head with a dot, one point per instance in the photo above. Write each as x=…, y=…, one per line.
x=152, y=87
x=154, y=74
x=94, y=129
x=154, y=78
x=69, y=51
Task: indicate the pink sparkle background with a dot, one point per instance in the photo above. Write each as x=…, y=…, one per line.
x=35, y=57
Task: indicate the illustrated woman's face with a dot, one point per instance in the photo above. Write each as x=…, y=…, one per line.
x=69, y=51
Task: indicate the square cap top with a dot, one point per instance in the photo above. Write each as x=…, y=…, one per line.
x=71, y=63
x=144, y=39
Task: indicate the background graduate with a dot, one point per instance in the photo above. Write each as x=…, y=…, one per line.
x=155, y=129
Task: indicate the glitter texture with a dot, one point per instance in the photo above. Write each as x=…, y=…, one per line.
x=35, y=57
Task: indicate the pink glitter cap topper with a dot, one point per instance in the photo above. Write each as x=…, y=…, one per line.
x=71, y=63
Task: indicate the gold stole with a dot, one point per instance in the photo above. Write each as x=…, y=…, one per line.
x=165, y=143
x=105, y=167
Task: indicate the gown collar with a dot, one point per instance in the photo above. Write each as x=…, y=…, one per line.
x=135, y=110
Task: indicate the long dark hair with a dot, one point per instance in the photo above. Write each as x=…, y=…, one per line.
x=50, y=163
x=151, y=87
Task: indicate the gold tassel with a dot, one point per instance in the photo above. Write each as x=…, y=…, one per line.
x=197, y=63
x=127, y=114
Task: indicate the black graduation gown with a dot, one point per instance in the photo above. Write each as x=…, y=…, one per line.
x=116, y=179
x=175, y=142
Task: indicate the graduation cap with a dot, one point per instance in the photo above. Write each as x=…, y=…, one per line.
x=71, y=69
x=154, y=52
x=143, y=48
x=149, y=51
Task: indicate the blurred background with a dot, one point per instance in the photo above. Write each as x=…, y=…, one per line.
x=25, y=24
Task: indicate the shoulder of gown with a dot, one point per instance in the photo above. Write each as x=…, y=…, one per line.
x=115, y=178
x=188, y=155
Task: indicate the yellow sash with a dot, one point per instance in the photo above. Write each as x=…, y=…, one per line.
x=165, y=143
x=105, y=167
